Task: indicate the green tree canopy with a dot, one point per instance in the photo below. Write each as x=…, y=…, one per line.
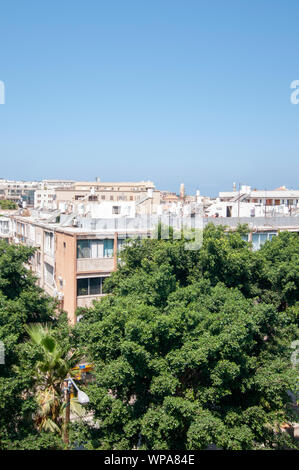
x=21, y=302
x=6, y=204
x=192, y=348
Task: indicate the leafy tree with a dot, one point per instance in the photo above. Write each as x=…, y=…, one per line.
x=21, y=302
x=52, y=367
x=280, y=273
x=6, y=204
x=192, y=348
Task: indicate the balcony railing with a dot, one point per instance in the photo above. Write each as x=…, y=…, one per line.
x=95, y=264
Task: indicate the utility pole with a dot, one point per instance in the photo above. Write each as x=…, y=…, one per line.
x=67, y=412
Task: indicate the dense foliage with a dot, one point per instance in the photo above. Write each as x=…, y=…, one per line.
x=193, y=347
x=21, y=303
x=6, y=204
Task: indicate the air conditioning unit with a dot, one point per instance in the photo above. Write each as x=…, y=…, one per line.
x=58, y=295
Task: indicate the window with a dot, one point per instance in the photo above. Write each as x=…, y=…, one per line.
x=82, y=287
x=258, y=239
x=83, y=249
x=95, y=285
x=229, y=211
x=115, y=209
x=49, y=242
x=95, y=248
x=49, y=274
x=108, y=248
x=90, y=286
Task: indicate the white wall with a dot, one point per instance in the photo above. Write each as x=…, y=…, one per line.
x=104, y=209
x=243, y=209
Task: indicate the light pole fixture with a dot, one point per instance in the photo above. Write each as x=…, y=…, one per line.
x=82, y=399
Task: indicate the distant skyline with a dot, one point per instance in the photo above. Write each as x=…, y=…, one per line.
x=168, y=91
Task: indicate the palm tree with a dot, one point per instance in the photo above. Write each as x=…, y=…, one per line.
x=51, y=370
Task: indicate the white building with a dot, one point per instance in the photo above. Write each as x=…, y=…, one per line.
x=5, y=228
x=45, y=199
x=248, y=202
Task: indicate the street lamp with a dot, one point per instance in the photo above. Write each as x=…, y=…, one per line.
x=82, y=399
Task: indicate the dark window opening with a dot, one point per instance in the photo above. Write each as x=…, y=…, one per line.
x=90, y=286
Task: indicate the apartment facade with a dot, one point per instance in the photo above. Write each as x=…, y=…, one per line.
x=24, y=192
x=5, y=228
x=18, y=191
x=269, y=198
x=113, y=192
x=45, y=199
x=71, y=263
x=74, y=255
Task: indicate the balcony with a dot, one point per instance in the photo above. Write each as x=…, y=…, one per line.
x=25, y=240
x=33, y=243
x=87, y=300
x=85, y=265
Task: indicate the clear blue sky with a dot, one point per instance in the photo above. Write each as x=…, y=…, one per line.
x=172, y=91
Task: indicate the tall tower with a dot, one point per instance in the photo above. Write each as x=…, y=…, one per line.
x=182, y=191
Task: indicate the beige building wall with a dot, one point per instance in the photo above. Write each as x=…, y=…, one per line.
x=63, y=259
x=65, y=272
x=100, y=265
x=112, y=192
